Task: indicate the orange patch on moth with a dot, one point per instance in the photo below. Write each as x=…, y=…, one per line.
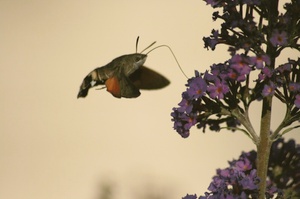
x=113, y=86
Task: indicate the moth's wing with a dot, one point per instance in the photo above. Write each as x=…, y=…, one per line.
x=145, y=78
x=96, y=77
x=128, y=89
x=120, y=86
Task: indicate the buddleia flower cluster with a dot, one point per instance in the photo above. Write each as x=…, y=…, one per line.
x=256, y=34
x=223, y=94
x=239, y=180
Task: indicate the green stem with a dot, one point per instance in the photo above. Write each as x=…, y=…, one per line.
x=265, y=142
x=264, y=146
x=245, y=121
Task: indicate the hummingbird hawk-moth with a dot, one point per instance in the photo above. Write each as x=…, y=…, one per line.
x=124, y=76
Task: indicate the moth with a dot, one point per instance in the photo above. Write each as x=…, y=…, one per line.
x=124, y=76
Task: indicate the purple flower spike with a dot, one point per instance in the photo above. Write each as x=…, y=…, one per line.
x=197, y=88
x=268, y=89
x=190, y=196
x=260, y=60
x=243, y=165
x=256, y=34
x=240, y=64
x=297, y=101
x=250, y=182
x=218, y=90
x=279, y=38
x=294, y=87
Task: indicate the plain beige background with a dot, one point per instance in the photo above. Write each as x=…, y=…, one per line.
x=54, y=146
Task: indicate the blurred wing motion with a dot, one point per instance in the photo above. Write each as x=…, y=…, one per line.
x=145, y=78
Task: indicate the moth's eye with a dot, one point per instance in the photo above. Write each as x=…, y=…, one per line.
x=137, y=59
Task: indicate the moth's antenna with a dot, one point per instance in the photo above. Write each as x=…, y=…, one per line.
x=136, y=47
x=136, y=44
x=148, y=47
x=171, y=52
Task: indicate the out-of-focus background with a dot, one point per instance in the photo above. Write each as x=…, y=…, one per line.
x=55, y=146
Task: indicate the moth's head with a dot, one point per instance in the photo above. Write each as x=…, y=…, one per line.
x=139, y=59
x=132, y=62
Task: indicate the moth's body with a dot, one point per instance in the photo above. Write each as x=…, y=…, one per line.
x=125, y=63
x=123, y=77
